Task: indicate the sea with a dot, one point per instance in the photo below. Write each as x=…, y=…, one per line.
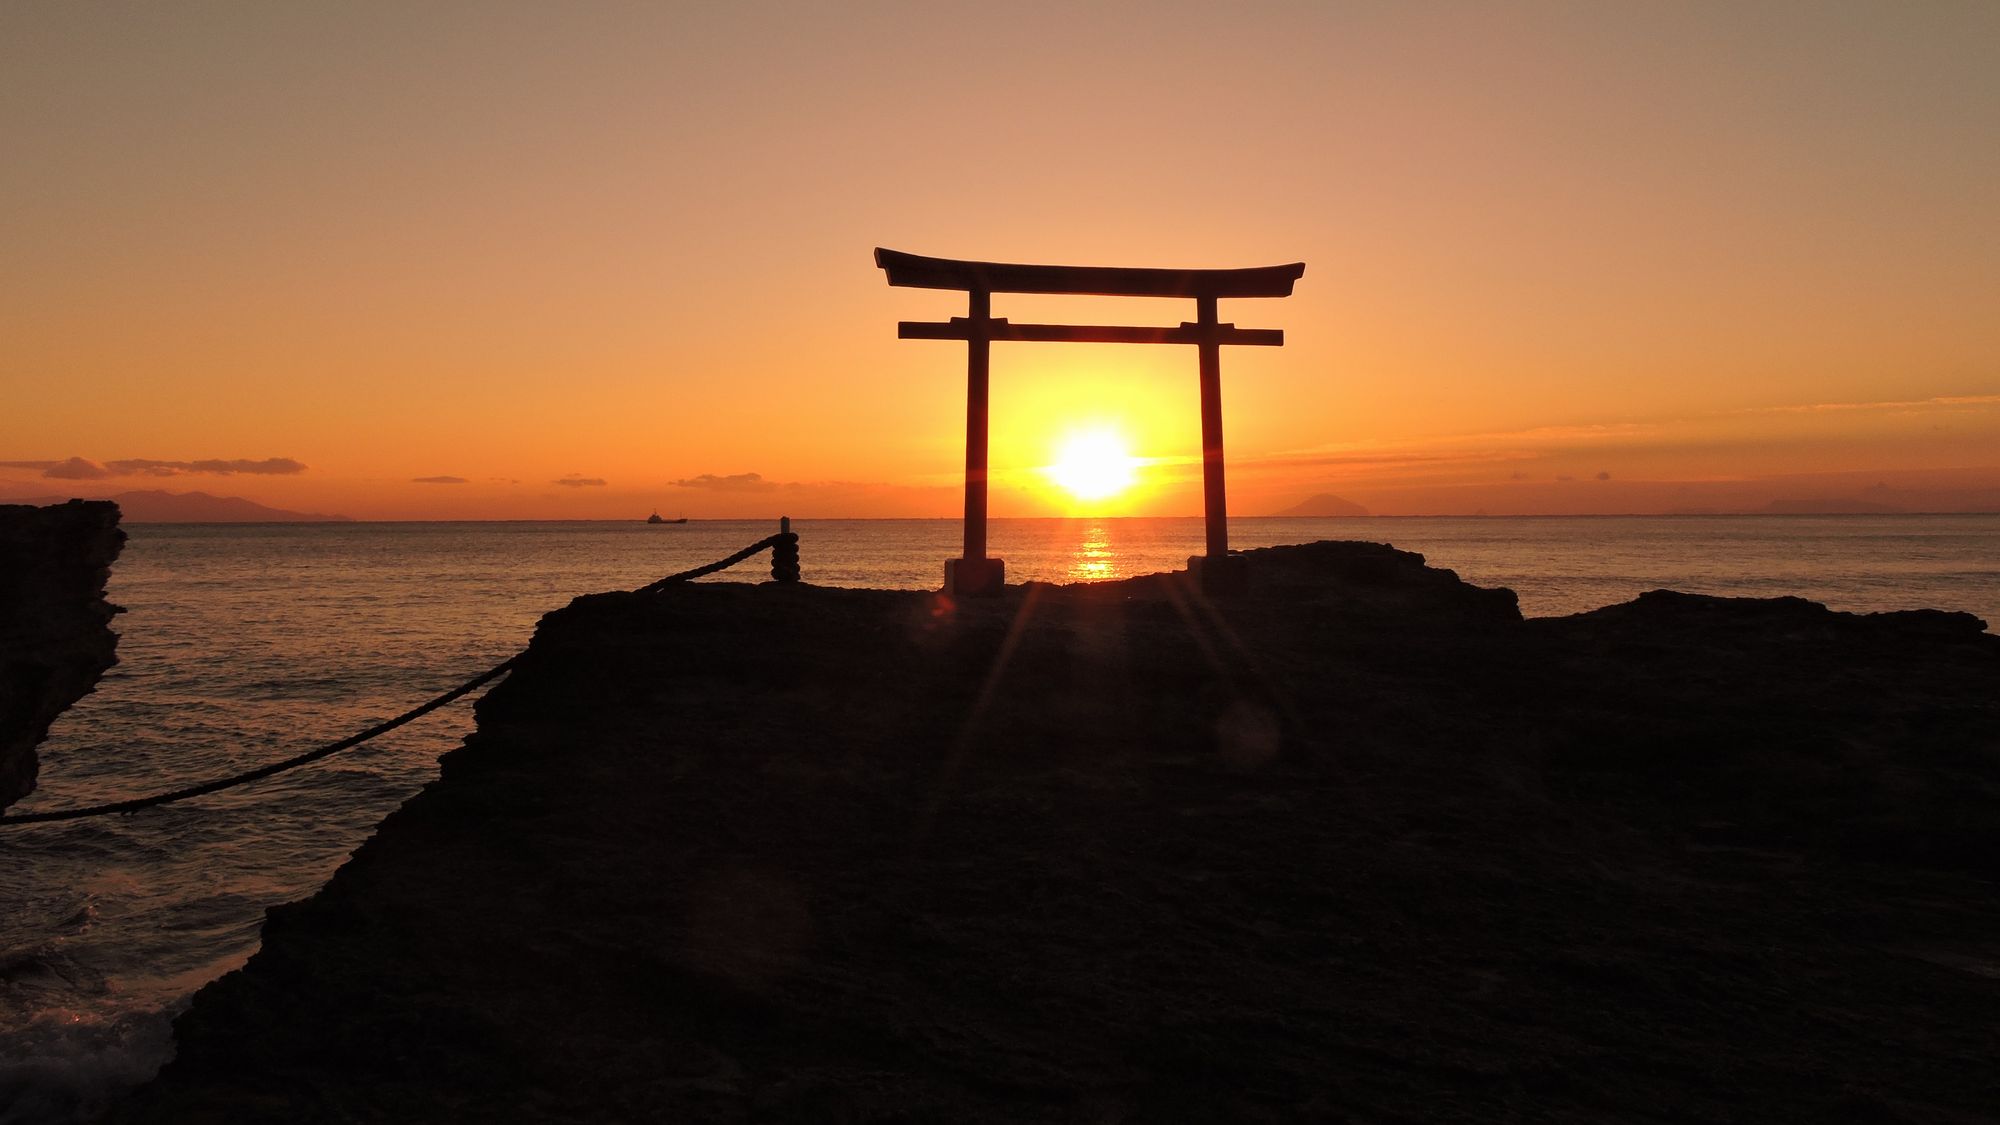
x=242, y=644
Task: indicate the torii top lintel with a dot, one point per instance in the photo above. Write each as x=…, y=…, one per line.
x=918, y=272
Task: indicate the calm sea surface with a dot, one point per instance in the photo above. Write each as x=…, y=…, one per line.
x=243, y=644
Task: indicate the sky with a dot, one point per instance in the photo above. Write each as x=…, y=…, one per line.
x=590, y=260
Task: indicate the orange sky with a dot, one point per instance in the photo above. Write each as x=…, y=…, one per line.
x=1709, y=253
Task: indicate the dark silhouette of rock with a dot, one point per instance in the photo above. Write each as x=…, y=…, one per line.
x=1359, y=843
x=55, y=636
x=1378, y=585
x=1324, y=504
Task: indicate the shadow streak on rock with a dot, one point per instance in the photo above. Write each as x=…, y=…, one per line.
x=55, y=635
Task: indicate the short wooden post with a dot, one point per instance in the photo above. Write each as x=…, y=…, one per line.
x=785, y=553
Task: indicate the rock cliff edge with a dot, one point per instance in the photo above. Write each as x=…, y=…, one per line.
x=55, y=635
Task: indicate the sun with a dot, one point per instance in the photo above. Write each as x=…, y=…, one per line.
x=1094, y=464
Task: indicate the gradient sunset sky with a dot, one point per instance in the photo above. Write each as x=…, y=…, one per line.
x=504, y=260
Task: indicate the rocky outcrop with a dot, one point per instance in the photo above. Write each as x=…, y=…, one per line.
x=1358, y=845
x=55, y=636
x=1375, y=586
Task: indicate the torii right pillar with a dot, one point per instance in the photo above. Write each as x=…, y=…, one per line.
x=1218, y=571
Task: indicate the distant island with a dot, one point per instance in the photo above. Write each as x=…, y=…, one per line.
x=160, y=506
x=1324, y=505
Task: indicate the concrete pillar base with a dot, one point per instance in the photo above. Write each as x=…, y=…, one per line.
x=974, y=578
x=1229, y=574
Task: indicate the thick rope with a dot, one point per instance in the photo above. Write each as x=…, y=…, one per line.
x=137, y=803
x=765, y=543
x=351, y=741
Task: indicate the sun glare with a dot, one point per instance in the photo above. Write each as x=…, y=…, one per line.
x=1094, y=465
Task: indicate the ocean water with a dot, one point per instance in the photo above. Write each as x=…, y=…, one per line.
x=243, y=644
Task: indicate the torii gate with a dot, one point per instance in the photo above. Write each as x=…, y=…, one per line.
x=977, y=574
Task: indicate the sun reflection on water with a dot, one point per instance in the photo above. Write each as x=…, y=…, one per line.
x=1094, y=560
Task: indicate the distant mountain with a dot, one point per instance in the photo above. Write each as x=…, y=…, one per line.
x=1324, y=505
x=1827, y=506
x=158, y=506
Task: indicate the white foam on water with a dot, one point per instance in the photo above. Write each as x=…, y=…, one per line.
x=69, y=1065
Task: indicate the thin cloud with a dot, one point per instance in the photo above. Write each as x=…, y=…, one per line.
x=146, y=466
x=574, y=481
x=79, y=468
x=1533, y=442
x=74, y=468
x=1494, y=446
x=1939, y=402
x=83, y=468
x=1384, y=457
x=438, y=480
x=734, y=482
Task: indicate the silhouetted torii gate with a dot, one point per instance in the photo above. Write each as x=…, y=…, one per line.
x=977, y=574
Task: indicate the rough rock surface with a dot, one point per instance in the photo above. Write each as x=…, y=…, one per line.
x=1360, y=845
x=55, y=635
